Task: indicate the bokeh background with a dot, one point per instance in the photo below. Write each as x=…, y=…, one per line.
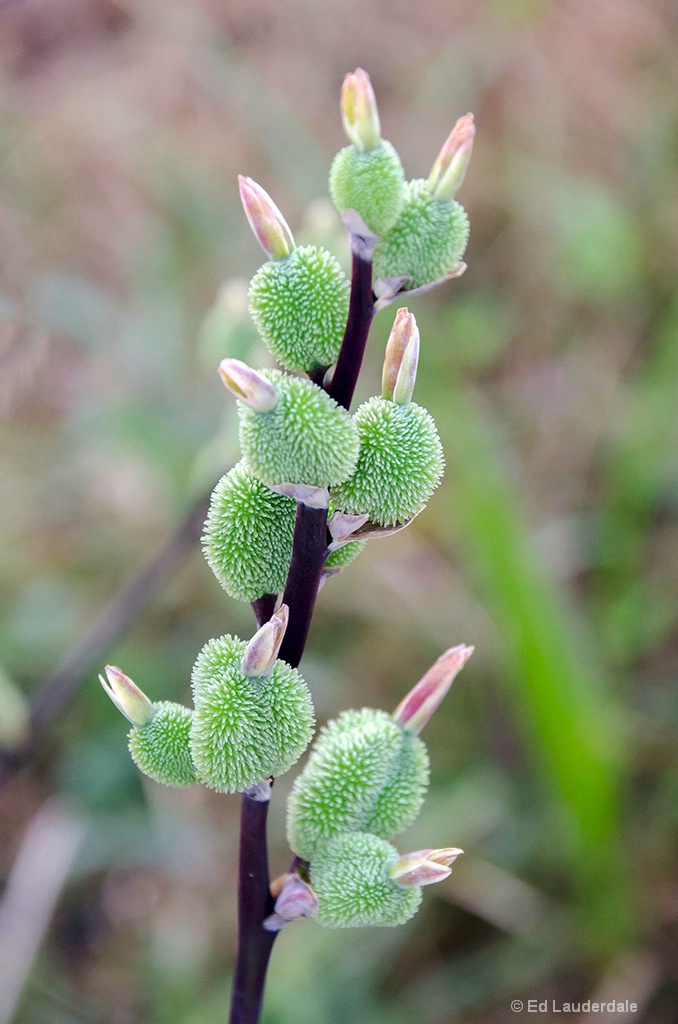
x=551, y=368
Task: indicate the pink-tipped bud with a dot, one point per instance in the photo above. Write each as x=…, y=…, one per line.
x=296, y=899
x=450, y=166
x=418, y=706
x=127, y=697
x=267, y=222
x=424, y=867
x=342, y=527
x=401, y=358
x=248, y=385
x=262, y=650
x=359, y=110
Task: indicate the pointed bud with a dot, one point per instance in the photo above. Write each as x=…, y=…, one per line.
x=424, y=867
x=267, y=222
x=248, y=385
x=418, y=706
x=401, y=358
x=450, y=166
x=127, y=697
x=342, y=526
x=296, y=899
x=359, y=110
x=262, y=650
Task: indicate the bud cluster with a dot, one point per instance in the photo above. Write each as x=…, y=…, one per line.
x=371, y=474
x=365, y=782
x=252, y=718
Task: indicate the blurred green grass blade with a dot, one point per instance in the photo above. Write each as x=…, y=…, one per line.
x=568, y=719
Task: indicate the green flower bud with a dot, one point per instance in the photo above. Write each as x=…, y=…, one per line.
x=371, y=182
x=350, y=878
x=300, y=306
x=399, y=466
x=306, y=439
x=161, y=749
x=365, y=773
x=246, y=728
x=248, y=535
x=426, y=242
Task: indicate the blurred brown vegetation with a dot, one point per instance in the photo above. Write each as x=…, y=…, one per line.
x=551, y=368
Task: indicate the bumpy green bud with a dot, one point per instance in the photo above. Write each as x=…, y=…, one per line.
x=371, y=182
x=365, y=773
x=245, y=728
x=161, y=748
x=306, y=439
x=427, y=241
x=300, y=306
x=350, y=878
x=399, y=466
x=248, y=535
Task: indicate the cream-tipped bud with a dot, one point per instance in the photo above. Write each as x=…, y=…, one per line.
x=401, y=358
x=248, y=385
x=295, y=899
x=449, y=169
x=359, y=112
x=262, y=650
x=424, y=867
x=267, y=222
x=127, y=697
x=418, y=706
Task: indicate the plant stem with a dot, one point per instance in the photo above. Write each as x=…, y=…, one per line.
x=254, y=904
x=309, y=550
x=360, y=314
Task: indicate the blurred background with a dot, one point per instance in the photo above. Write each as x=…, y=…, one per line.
x=552, y=546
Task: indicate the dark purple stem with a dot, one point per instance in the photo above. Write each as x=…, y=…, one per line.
x=263, y=607
x=254, y=904
x=309, y=549
x=360, y=314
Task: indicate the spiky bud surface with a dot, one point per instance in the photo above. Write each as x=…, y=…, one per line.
x=371, y=182
x=426, y=242
x=365, y=774
x=248, y=535
x=161, y=749
x=306, y=439
x=300, y=306
x=245, y=728
x=399, y=466
x=350, y=878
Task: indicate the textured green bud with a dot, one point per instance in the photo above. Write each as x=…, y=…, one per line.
x=245, y=728
x=426, y=242
x=300, y=306
x=350, y=878
x=371, y=182
x=365, y=773
x=248, y=535
x=161, y=749
x=306, y=439
x=400, y=463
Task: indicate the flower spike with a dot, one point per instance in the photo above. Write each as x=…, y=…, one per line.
x=262, y=650
x=127, y=697
x=267, y=222
x=423, y=699
x=449, y=169
x=424, y=867
x=359, y=112
x=248, y=385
